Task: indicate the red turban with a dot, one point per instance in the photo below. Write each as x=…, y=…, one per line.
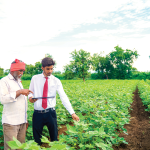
x=17, y=66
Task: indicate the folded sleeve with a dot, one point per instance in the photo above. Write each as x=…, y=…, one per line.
x=5, y=95
x=64, y=98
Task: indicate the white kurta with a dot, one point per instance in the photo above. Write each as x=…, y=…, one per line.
x=14, y=109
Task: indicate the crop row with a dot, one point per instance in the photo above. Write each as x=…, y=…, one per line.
x=144, y=90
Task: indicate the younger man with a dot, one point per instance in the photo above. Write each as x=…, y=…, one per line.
x=46, y=85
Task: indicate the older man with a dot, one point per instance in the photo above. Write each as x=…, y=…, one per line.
x=14, y=100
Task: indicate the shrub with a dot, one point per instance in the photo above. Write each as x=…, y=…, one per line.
x=26, y=77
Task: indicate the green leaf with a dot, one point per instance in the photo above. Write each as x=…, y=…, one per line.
x=14, y=144
x=101, y=130
x=101, y=145
x=71, y=129
x=81, y=145
x=89, y=146
x=59, y=147
x=45, y=140
x=17, y=142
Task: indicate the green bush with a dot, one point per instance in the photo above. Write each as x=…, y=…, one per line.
x=140, y=75
x=26, y=77
x=69, y=75
x=60, y=76
x=98, y=76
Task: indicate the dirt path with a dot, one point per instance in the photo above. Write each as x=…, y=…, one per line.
x=138, y=130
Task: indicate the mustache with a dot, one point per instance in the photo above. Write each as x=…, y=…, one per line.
x=20, y=75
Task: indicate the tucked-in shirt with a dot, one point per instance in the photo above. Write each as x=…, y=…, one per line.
x=14, y=109
x=54, y=84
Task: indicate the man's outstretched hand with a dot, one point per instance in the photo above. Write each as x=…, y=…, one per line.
x=75, y=117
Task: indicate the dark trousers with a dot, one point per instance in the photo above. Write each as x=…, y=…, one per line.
x=39, y=120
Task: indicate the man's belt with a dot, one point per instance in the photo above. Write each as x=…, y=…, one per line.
x=44, y=111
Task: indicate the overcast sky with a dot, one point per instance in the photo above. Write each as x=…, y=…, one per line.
x=31, y=28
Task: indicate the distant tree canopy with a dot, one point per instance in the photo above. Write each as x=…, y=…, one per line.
x=79, y=65
x=115, y=65
x=122, y=61
x=1, y=71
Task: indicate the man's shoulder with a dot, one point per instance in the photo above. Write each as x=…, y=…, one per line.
x=4, y=78
x=37, y=76
x=55, y=78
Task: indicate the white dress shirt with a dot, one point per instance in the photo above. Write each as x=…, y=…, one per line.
x=14, y=109
x=54, y=84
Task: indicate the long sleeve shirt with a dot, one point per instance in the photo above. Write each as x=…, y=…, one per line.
x=14, y=109
x=54, y=84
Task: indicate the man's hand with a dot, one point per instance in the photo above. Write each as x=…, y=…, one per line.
x=32, y=100
x=75, y=117
x=25, y=92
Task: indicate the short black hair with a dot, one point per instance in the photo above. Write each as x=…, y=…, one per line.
x=15, y=62
x=47, y=61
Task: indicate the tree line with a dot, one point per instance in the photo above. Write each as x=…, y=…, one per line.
x=115, y=65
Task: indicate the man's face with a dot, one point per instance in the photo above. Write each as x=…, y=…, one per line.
x=47, y=70
x=17, y=74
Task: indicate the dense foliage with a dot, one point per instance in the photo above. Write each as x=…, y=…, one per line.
x=102, y=106
x=144, y=89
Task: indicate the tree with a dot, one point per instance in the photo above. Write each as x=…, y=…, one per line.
x=102, y=65
x=30, y=69
x=69, y=71
x=38, y=68
x=80, y=64
x=1, y=71
x=122, y=60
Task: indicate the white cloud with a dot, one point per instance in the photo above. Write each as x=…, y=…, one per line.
x=105, y=33
x=141, y=24
x=136, y=5
x=31, y=22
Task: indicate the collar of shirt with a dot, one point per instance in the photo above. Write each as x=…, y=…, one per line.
x=47, y=76
x=12, y=78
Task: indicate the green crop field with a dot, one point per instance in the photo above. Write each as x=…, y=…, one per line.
x=103, y=107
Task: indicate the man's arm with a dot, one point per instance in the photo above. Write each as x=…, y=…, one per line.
x=9, y=97
x=66, y=102
x=23, y=92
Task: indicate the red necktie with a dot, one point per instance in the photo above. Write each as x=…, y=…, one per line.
x=45, y=92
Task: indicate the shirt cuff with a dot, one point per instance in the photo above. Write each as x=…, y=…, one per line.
x=13, y=96
x=72, y=112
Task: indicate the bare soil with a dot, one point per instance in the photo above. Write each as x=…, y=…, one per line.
x=138, y=130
